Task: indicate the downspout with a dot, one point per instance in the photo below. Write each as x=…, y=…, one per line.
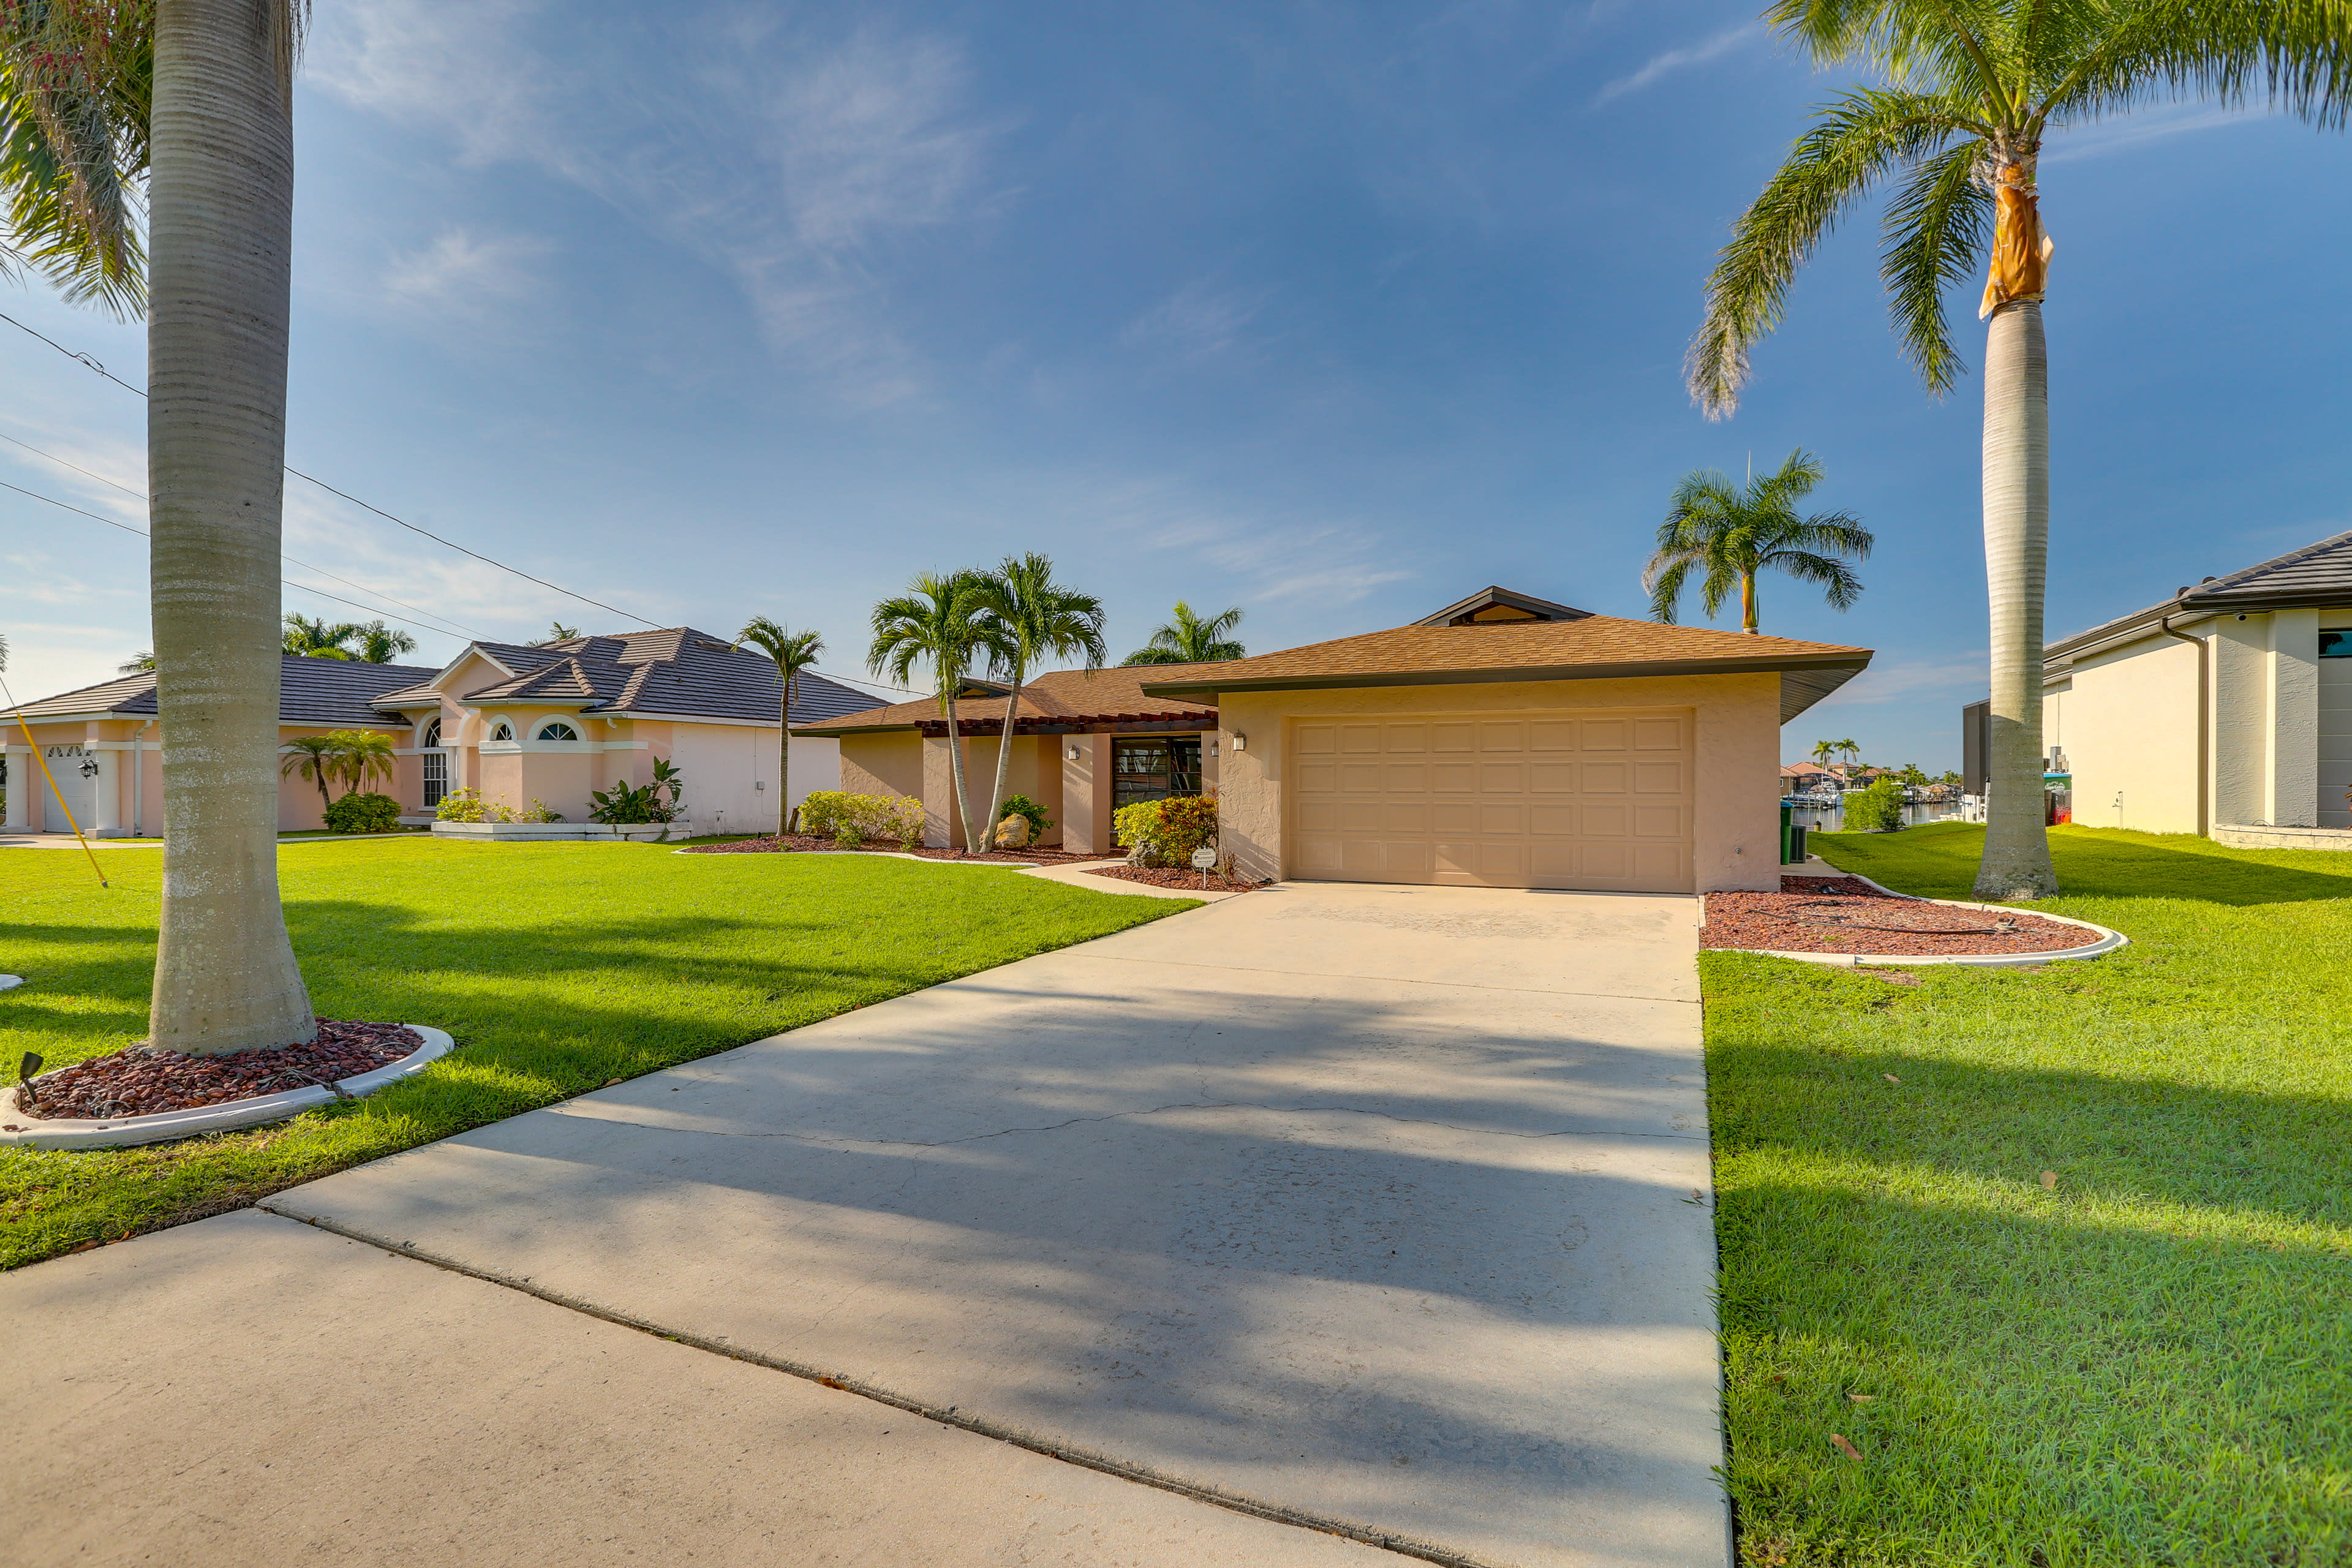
x=2204, y=827
x=139, y=781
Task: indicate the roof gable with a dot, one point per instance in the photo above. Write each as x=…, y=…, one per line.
x=1500, y=606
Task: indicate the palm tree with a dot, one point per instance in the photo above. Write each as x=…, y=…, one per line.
x=220, y=207
x=1035, y=618
x=315, y=638
x=1186, y=638
x=1730, y=535
x=139, y=663
x=1823, y=752
x=937, y=622
x=361, y=753
x=319, y=759
x=792, y=652
x=1969, y=90
x=380, y=643
x=556, y=632
x=76, y=85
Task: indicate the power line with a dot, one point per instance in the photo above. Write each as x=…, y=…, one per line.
x=91, y=362
x=448, y=628
x=288, y=582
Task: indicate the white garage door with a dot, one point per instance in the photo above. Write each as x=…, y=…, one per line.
x=1595, y=800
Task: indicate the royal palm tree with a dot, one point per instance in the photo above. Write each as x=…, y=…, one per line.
x=937, y=622
x=1034, y=618
x=792, y=652
x=75, y=84
x=319, y=759
x=1186, y=638
x=1730, y=534
x=1823, y=752
x=1968, y=91
x=380, y=644
x=220, y=232
x=315, y=638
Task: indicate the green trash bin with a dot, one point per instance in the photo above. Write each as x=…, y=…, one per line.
x=1793, y=836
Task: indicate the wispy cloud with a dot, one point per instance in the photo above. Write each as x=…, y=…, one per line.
x=1197, y=321
x=463, y=274
x=2137, y=130
x=1273, y=557
x=1659, y=67
x=788, y=159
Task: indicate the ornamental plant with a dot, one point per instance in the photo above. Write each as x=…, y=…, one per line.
x=1022, y=805
x=462, y=805
x=1174, y=828
x=357, y=812
x=1878, y=809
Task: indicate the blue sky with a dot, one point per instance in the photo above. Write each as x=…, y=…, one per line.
x=1333, y=312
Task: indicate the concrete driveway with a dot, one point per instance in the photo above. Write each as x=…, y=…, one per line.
x=1377, y=1210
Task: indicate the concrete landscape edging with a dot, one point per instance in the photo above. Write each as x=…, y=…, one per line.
x=122, y=1131
x=2108, y=940
x=546, y=832
x=2262, y=835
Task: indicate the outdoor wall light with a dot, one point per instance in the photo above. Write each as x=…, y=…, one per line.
x=89, y=767
x=1073, y=752
x=1240, y=742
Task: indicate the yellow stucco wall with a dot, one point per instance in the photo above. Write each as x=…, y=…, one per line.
x=1737, y=736
x=2130, y=735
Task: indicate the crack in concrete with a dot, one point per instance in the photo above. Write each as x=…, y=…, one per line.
x=823, y=1142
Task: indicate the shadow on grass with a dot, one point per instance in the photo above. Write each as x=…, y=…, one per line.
x=2098, y=863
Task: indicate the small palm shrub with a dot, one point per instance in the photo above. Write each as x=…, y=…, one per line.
x=363, y=814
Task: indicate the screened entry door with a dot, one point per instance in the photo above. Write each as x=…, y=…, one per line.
x=1599, y=801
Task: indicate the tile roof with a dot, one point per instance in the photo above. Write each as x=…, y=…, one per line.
x=332, y=692
x=677, y=670
x=1112, y=695
x=1594, y=646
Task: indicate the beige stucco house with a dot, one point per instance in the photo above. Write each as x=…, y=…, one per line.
x=1504, y=741
x=2226, y=710
x=519, y=723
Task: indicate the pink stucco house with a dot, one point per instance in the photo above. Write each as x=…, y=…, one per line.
x=549, y=721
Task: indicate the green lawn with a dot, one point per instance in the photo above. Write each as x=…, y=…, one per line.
x=2150, y=1361
x=557, y=966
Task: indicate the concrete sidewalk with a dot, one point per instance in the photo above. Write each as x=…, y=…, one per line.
x=1377, y=1209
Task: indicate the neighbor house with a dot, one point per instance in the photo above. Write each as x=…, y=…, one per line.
x=1504, y=741
x=2226, y=710
x=550, y=722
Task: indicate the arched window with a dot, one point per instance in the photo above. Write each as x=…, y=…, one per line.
x=432, y=735
x=557, y=730
x=505, y=732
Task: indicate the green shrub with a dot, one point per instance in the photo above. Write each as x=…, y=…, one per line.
x=462, y=805
x=1174, y=828
x=538, y=813
x=1022, y=805
x=849, y=820
x=363, y=814
x=1878, y=809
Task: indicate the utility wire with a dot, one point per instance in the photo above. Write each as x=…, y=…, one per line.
x=143, y=533
x=448, y=628
x=91, y=362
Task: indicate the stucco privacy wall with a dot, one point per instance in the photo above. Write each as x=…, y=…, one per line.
x=1736, y=744
x=2131, y=736
x=1032, y=771
x=887, y=762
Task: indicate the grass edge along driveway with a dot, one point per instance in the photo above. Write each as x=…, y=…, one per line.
x=558, y=967
x=2143, y=1357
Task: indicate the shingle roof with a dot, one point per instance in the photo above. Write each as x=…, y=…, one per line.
x=677, y=670
x=324, y=691
x=1594, y=647
x=1114, y=695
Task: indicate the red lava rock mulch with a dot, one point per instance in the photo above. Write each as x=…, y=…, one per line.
x=1843, y=914
x=808, y=844
x=1175, y=877
x=140, y=1079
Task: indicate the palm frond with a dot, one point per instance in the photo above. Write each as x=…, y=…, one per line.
x=2297, y=54
x=1854, y=143
x=1837, y=580
x=1936, y=237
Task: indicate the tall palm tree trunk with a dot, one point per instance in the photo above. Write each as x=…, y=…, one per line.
x=955, y=775
x=1747, y=603
x=784, y=763
x=1005, y=752
x=221, y=205
x=2017, y=547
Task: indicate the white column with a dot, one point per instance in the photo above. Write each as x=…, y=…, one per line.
x=106, y=791
x=2291, y=783
x=24, y=774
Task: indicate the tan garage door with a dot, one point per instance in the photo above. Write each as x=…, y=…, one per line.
x=1595, y=800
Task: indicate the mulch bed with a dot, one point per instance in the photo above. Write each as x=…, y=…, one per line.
x=1173, y=876
x=807, y=843
x=138, y=1080
x=1842, y=914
